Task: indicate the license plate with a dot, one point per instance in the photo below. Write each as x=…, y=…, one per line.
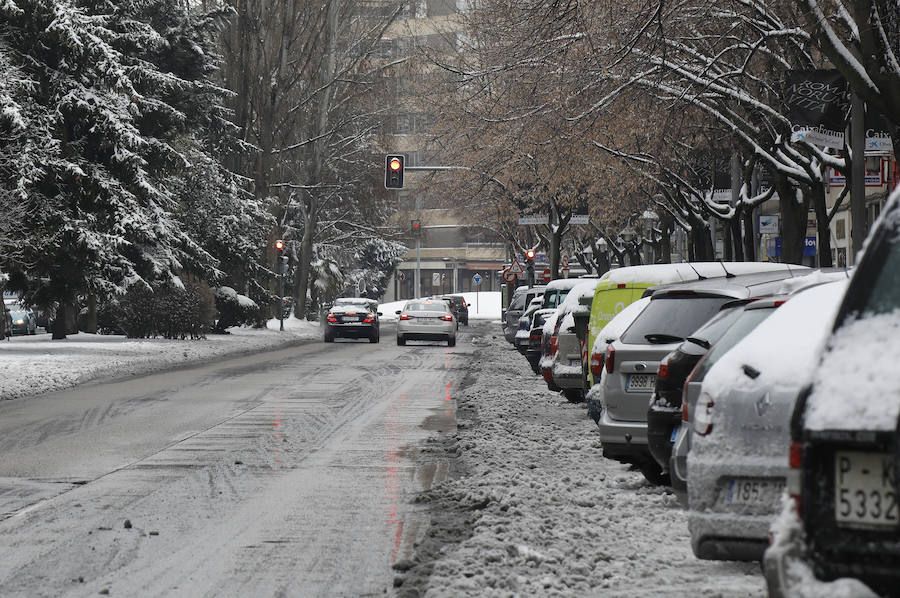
x=641, y=382
x=674, y=434
x=753, y=491
x=864, y=489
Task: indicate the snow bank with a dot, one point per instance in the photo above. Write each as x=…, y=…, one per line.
x=31, y=365
x=540, y=512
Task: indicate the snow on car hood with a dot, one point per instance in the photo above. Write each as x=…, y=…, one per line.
x=856, y=384
x=783, y=348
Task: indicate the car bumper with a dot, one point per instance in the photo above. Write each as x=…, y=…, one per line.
x=568, y=376
x=19, y=329
x=350, y=330
x=622, y=440
x=678, y=472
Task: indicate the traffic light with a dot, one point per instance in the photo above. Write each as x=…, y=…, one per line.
x=415, y=227
x=393, y=171
x=280, y=258
x=529, y=265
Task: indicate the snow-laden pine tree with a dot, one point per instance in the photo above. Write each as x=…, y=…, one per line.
x=122, y=100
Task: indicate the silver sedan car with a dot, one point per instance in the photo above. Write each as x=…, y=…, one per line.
x=426, y=320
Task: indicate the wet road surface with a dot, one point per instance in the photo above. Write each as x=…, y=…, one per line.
x=287, y=473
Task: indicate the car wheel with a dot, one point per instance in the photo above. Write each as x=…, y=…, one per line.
x=400, y=340
x=654, y=473
x=573, y=395
x=329, y=338
x=374, y=338
x=451, y=342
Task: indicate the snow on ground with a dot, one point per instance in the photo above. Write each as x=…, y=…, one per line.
x=546, y=514
x=482, y=306
x=32, y=365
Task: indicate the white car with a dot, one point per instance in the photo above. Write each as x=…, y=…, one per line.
x=426, y=320
x=738, y=461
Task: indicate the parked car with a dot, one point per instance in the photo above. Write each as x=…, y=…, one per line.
x=620, y=287
x=844, y=452
x=743, y=326
x=353, y=318
x=664, y=413
x=548, y=349
x=604, y=338
x=556, y=291
x=426, y=319
x=739, y=449
x=567, y=370
x=633, y=360
x=523, y=331
x=459, y=307
x=23, y=319
x=518, y=303
x=535, y=337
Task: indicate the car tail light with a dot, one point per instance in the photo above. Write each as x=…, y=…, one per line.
x=703, y=418
x=447, y=318
x=405, y=317
x=795, y=462
x=663, y=371
x=610, y=360
x=331, y=318
x=369, y=318
x=597, y=363
x=535, y=335
x=684, y=411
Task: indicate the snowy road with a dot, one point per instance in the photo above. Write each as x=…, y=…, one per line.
x=287, y=473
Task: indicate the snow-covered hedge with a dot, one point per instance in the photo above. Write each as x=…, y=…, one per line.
x=169, y=310
x=234, y=309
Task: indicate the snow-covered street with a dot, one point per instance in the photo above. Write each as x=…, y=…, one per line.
x=538, y=511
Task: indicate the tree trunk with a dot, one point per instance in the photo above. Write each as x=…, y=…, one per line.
x=823, y=245
x=794, y=211
x=749, y=237
x=734, y=226
x=90, y=321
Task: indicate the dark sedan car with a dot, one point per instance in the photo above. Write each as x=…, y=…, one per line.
x=23, y=319
x=349, y=319
x=459, y=307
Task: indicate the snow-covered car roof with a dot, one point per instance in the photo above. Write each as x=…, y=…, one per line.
x=784, y=347
x=583, y=288
x=684, y=272
x=355, y=301
x=618, y=324
x=564, y=283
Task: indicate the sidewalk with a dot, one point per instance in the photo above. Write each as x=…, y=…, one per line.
x=31, y=365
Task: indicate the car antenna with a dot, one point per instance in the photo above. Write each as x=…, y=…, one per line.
x=699, y=276
x=727, y=273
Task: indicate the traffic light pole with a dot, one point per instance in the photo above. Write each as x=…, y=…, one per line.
x=281, y=301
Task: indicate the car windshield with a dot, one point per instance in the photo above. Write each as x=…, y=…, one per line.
x=669, y=319
x=743, y=325
x=555, y=297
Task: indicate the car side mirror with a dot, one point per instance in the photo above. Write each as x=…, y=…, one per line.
x=379, y=313
x=397, y=312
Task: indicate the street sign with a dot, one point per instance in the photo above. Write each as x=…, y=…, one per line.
x=546, y=274
x=535, y=219
x=436, y=279
x=476, y=280
x=580, y=219
x=565, y=272
x=565, y=260
x=509, y=277
x=516, y=267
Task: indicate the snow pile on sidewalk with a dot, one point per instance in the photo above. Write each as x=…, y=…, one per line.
x=31, y=365
x=547, y=514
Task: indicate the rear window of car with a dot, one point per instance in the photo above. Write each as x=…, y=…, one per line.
x=884, y=296
x=673, y=316
x=744, y=325
x=428, y=306
x=555, y=297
